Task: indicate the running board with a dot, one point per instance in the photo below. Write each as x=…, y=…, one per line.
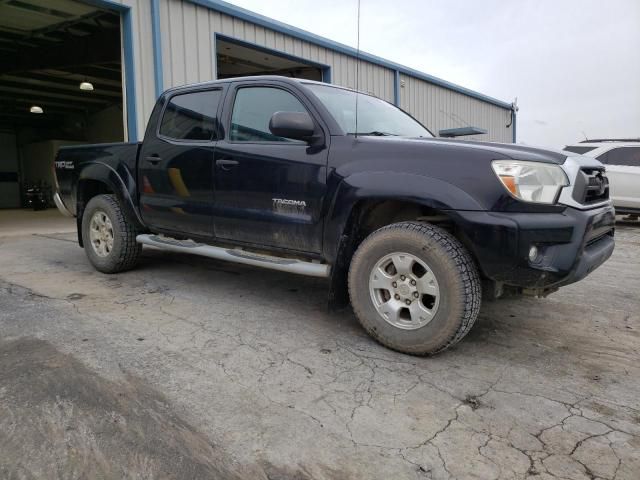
x=236, y=255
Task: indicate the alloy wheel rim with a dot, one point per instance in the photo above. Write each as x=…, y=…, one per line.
x=404, y=290
x=101, y=234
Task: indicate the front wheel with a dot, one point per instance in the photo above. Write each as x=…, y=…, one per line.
x=414, y=288
x=109, y=240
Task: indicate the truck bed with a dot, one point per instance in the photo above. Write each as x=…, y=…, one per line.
x=71, y=162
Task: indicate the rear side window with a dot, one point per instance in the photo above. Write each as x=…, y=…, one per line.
x=252, y=110
x=578, y=149
x=191, y=116
x=629, y=156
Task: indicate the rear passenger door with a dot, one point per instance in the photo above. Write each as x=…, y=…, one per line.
x=269, y=190
x=175, y=165
x=623, y=171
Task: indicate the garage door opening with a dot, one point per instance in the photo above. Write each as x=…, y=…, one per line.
x=60, y=84
x=237, y=59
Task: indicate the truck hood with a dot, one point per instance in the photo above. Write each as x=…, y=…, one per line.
x=502, y=150
x=464, y=166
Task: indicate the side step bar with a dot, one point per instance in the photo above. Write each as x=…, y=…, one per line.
x=236, y=255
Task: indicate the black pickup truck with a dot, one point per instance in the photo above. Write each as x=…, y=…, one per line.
x=282, y=173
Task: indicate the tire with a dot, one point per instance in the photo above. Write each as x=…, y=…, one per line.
x=442, y=284
x=124, y=251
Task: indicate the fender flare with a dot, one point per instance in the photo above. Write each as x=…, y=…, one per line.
x=427, y=191
x=339, y=231
x=119, y=181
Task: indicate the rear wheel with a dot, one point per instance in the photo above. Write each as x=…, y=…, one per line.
x=109, y=240
x=414, y=288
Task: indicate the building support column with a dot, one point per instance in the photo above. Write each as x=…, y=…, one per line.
x=396, y=88
x=157, y=46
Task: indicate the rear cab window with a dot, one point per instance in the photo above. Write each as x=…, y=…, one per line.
x=191, y=116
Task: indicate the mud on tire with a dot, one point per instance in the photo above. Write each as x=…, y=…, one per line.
x=455, y=299
x=125, y=251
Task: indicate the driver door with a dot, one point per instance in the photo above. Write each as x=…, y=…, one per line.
x=269, y=190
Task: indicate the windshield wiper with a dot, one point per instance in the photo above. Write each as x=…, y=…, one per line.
x=377, y=133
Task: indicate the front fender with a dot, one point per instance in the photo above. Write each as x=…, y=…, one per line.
x=419, y=189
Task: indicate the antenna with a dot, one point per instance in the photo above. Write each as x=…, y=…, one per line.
x=585, y=135
x=357, y=68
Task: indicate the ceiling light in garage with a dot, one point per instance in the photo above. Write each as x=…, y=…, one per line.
x=88, y=86
x=36, y=109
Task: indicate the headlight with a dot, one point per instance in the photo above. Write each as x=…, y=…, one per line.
x=531, y=181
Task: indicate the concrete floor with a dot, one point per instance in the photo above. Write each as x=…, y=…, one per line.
x=191, y=368
x=28, y=222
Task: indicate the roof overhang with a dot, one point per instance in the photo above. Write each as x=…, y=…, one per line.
x=461, y=132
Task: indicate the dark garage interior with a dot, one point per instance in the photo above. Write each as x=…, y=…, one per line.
x=60, y=84
x=237, y=59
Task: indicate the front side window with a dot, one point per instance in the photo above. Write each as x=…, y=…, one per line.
x=375, y=116
x=252, y=110
x=191, y=116
x=628, y=156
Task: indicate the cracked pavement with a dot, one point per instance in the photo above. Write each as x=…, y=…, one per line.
x=240, y=371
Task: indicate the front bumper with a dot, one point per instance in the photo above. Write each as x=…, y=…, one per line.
x=571, y=244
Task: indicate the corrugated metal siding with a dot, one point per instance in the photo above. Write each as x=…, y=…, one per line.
x=188, y=56
x=188, y=49
x=143, y=60
x=440, y=108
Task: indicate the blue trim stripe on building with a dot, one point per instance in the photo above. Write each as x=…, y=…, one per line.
x=157, y=47
x=130, y=75
x=326, y=75
x=396, y=88
x=243, y=14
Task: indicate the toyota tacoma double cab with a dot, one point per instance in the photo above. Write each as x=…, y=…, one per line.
x=319, y=180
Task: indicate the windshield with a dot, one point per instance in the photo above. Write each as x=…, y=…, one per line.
x=375, y=116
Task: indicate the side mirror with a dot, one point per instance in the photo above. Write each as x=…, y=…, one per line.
x=294, y=125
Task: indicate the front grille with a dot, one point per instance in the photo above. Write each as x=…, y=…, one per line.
x=592, y=186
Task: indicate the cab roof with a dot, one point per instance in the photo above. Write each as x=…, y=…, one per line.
x=280, y=78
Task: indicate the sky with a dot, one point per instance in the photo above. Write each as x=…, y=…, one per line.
x=574, y=65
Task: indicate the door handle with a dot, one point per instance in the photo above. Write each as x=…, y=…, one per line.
x=226, y=163
x=153, y=159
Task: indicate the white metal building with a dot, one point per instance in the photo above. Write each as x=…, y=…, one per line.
x=131, y=50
